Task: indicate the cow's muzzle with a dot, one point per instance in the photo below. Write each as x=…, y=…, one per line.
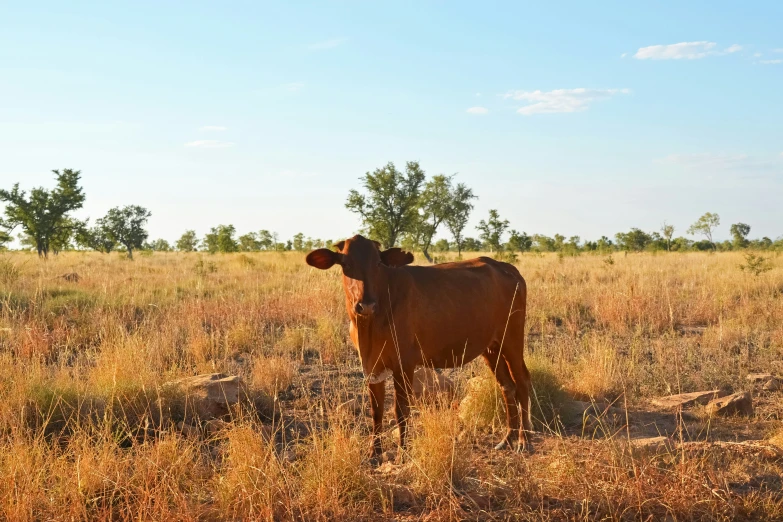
x=365, y=308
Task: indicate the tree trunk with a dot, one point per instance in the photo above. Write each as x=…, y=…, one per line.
x=427, y=255
x=130, y=252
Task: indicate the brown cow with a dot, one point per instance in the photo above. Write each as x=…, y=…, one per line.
x=440, y=316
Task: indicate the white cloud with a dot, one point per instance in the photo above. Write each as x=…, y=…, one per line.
x=326, y=44
x=209, y=144
x=756, y=55
x=477, y=110
x=683, y=51
x=213, y=128
x=778, y=50
x=560, y=100
x=770, y=62
x=623, y=55
x=294, y=86
x=478, y=95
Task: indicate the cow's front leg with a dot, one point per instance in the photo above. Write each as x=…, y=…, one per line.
x=402, y=389
x=377, y=396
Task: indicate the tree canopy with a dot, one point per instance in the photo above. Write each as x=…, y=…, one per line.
x=391, y=203
x=44, y=215
x=125, y=225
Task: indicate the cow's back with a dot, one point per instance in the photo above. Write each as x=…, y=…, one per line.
x=457, y=308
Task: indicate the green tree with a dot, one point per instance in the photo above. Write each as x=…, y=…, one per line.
x=520, y=242
x=604, y=244
x=668, y=232
x=437, y=202
x=5, y=238
x=298, y=242
x=470, y=244
x=221, y=239
x=188, y=242
x=636, y=240
x=44, y=215
x=126, y=226
x=457, y=219
x=492, y=231
x=267, y=240
x=543, y=243
x=159, y=245
x=249, y=242
x=739, y=234
x=95, y=238
x=705, y=226
x=390, y=206
x=441, y=246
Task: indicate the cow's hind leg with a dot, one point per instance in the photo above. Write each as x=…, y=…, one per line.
x=498, y=365
x=519, y=372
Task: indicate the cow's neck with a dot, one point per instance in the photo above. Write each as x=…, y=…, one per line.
x=370, y=330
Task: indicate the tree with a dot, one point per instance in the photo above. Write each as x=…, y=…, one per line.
x=95, y=238
x=5, y=238
x=390, y=207
x=267, y=240
x=44, y=215
x=221, y=239
x=471, y=244
x=436, y=206
x=441, y=246
x=520, y=242
x=126, y=226
x=298, y=242
x=544, y=243
x=457, y=218
x=159, y=245
x=668, y=232
x=635, y=240
x=492, y=231
x=705, y=225
x=188, y=242
x=249, y=242
x=739, y=233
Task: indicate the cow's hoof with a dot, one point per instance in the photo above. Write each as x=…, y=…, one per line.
x=524, y=447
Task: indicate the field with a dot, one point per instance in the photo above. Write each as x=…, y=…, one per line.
x=89, y=431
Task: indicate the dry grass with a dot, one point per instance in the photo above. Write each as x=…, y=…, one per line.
x=88, y=431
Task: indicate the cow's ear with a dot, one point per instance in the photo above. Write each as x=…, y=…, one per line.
x=377, y=245
x=339, y=246
x=396, y=257
x=323, y=258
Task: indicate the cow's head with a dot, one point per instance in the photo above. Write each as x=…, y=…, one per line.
x=363, y=265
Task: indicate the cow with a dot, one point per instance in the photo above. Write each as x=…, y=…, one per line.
x=441, y=316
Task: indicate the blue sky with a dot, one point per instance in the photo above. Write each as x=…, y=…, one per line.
x=571, y=117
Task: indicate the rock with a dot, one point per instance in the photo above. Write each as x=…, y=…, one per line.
x=428, y=383
x=210, y=396
x=683, y=400
x=766, y=381
x=736, y=404
x=651, y=443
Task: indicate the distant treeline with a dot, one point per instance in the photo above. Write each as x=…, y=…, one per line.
x=396, y=208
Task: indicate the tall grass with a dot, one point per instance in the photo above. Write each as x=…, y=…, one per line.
x=88, y=431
